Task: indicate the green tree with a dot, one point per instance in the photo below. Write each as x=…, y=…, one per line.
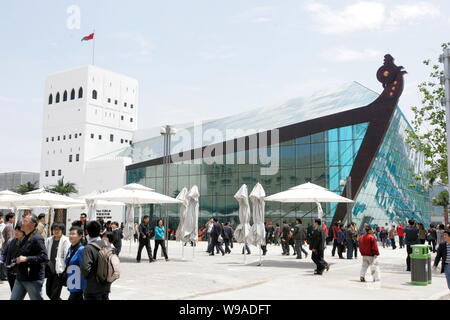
x=62, y=188
x=442, y=201
x=27, y=187
x=429, y=134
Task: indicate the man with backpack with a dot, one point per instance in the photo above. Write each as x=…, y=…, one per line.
x=100, y=266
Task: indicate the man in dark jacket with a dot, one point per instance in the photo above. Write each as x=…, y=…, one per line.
x=317, y=247
x=349, y=236
x=443, y=256
x=144, y=239
x=227, y=235
x=411, y=237
x=31, y=260
x=215, y=233
x=95, y=290
x=117, y=236
x=299, y=238
x=285, y=231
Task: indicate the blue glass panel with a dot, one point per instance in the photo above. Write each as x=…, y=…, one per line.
x=345, y=133
x=303, y=156
x=333, y=135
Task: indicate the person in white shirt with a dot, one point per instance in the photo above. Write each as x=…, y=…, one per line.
x=57, y=247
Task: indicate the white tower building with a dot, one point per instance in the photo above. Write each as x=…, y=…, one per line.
x=88, y=112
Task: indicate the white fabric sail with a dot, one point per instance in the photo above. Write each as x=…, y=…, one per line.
x=243, y=229
x=128, y=230
x=183, y=211
x=257, y=236
x=191, y=222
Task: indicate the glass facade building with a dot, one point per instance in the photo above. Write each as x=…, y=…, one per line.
x=387, y=193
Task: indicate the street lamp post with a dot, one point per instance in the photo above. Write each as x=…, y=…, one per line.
x=347, y=183
x=445, y=80
x=167, y=132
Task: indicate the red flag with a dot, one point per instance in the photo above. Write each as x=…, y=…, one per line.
x=89, y=37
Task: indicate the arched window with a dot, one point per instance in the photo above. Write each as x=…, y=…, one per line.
x=80, y=93
x=57, y=98
x=72, y=94
x=65, y=95
x=50, y=99
x=94, y=94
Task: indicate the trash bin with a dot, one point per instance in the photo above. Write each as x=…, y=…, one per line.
x=420, y=265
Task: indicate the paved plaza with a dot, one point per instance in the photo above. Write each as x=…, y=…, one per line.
x=280, y=277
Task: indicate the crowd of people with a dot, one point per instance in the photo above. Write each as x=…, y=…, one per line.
x=342, y=238
x=86, y=262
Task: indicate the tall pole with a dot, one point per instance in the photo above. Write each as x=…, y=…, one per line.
x=445, y=58
x=349, y=196
x=93, y=49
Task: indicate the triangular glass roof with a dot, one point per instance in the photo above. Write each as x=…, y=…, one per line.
x=323, y=103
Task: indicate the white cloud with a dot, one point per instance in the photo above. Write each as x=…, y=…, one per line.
x=256, y=15
x=262, y=20
x=346, y=55
x=411, y=12
x=222, y=52
x=367, y=15
x=144, y=46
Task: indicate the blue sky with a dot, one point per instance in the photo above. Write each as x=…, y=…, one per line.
x=203, y=59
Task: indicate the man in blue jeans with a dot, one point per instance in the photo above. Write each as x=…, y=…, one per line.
x=443, y=255
x=31, y=260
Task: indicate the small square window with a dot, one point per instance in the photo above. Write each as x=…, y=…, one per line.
x=46, y=173
x=53, y=139
x=131, y=106
x=64, y=137
x=92, y=136
x=121, y=117
x=70, y=158
x=131, y=142
x=116, y=102
x=121, y=140
x=76, y=135
x=79, y=134
x=109, y=100
x=124, y=104
x=53, y=173
x=70, y=136
x=126, y=141
x=59, y=138
x=59, y=173
x=46, y=140
x=99, y=137
x=77, y=157
x=131, y=119
x=111, y=137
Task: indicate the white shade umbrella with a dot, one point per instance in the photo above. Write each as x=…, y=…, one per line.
x=257, y=235
x=42, y=198
x=5, y=199
x=134, y=194
x=242, y=231
x=180, y=234
x=308, y=192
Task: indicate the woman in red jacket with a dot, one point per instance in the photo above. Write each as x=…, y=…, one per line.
x=369, y=250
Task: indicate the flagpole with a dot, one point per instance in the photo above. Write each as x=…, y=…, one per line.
x=93, y=50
